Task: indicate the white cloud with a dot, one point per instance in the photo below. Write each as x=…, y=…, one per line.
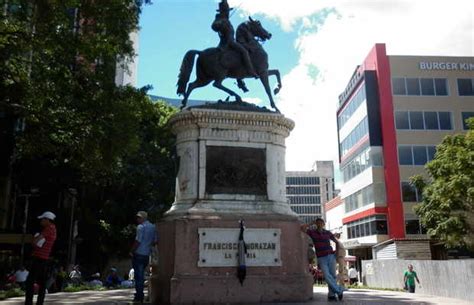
x=287, y=13
x=336, y=47
x=255, y=100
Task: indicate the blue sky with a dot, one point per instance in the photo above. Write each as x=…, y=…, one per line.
x=170, y=28
x=316, y=45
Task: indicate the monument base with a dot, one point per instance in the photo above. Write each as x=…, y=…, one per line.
x=180, y=280
x=231, y=167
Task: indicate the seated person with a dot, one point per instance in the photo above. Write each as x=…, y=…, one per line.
x=113, y=280
x=95, y=280
x=75, y=276
x=126, y=283
x=20, y=277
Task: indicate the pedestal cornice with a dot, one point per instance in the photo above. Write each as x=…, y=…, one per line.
x=228, y=119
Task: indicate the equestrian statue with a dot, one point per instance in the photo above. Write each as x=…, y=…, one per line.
x=236, y=57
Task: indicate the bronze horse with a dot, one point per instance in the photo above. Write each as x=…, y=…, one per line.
x=217, y=64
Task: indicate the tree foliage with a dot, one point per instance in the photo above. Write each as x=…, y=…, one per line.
x=447, y=208
x=60, y=59
x=81, y=130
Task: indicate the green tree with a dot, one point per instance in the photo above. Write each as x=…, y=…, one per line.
x=145, y=182
x=60, y=59
x=447, y=208
x=81, y=130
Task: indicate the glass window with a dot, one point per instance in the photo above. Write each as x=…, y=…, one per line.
x=376, y=158
x=465, y=87
x=419, y=155
x=408, y=192
x=352, y=106
x=378, y=192
x=465, y=116
x=370, y=194
x=416, y=120
x=413, y=86
x=373, y=228
x=365, y=198
x=359, y=199
x=401, y=120
x=357, y=134
x=404, y=155
x=444, y=120
x=381, y=226
x=427, y=86
x=431, y=120
x=367, y=228
x=419, y=195
x=431, y=152
x=412, y=226
x=441, y=85
x=399, y=86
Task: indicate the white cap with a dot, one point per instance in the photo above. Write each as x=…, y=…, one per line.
x=142, y=214
x=47, y=215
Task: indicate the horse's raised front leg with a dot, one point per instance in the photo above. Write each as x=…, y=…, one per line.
x=241, y=84
x=266, y=85
x=218, y=84
x=196, y=84
x=277, y=74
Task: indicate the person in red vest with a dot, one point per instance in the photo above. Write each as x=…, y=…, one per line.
x=42, y=245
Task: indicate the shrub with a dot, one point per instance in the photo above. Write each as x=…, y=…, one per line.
x=11, y=293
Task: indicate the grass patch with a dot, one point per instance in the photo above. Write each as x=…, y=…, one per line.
x=11, y=293
x=77, y=288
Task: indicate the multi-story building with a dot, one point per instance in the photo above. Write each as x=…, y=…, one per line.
x=392, y=114
x=126, y=70
x=333, y=212
x=307, y=191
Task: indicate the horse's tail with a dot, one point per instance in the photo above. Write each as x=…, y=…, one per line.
x=185, y=70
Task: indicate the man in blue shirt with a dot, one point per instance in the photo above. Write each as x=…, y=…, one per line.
x=145, y=239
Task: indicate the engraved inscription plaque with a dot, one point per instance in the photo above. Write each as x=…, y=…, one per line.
x=236, y=170
x=218, y=247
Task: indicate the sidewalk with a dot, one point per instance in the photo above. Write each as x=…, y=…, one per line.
x=378, y=297
x=108, y=297
x=352, y=297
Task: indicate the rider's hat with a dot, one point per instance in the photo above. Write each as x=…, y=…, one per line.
x=224, y=7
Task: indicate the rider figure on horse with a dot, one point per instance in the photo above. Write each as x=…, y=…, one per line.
x=224, y=28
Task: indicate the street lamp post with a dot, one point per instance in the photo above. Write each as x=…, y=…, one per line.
x=33, y=192
x=70, y=255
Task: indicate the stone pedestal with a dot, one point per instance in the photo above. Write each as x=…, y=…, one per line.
x=231, y=167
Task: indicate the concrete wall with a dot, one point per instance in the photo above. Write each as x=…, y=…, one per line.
x=452, y=278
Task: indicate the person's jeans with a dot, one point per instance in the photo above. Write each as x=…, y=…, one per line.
x=139, y=263
x=328, y=267
x=39, y=274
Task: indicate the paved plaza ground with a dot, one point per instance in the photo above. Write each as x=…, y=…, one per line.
x=352, y=297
